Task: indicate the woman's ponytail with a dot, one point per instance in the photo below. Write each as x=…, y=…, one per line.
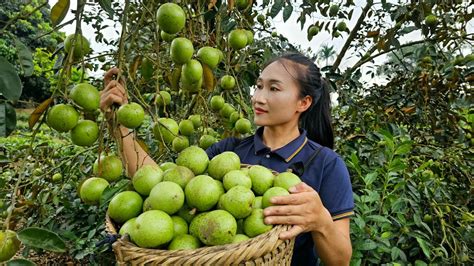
x=317, y=119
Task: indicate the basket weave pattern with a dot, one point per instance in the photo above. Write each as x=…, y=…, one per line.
x=265, y=249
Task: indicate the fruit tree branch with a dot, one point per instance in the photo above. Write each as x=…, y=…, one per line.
x=122, y=39
x=361, y=62
x=113, y=123
x=352, y=35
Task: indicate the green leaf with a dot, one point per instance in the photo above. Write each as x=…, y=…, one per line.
x=302, y=20
x=25, y=58
x=420, y=263
x=227, y=27
x=20, y=262
x=386, y=134
x=407, y=30
x=359, y=222
x=386, y=235
x=370, y=178
x=4, y=159
x=7, y=119
x=287, y=12
x=398, y=253
x=368, y=245
x=372, y=196
x=425, y=165
x=59, y=62
x=42, y=238
x=354, y=162
x=59, y=11
x=10, y=83
x=356, y=262
x=403, y=149
x=390, y=145
x=107, y=7
x=276, y=8
x=378, y=219
x=424, y=246
x=110, y=191
x=396, y=165
x=91, y=234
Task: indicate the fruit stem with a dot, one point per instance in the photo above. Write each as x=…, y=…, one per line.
x=191, y=105
x=10, y=209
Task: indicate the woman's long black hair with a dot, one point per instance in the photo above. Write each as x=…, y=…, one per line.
x=316, y=120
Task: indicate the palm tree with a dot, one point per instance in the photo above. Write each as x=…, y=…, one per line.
x=326, y=52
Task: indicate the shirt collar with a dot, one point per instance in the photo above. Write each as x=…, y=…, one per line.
x=258, y=141
x=286, y=152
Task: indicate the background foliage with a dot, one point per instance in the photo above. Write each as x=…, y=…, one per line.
x=407, y=141
x=32, y=27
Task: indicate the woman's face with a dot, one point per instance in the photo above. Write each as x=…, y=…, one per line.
x=276, y=100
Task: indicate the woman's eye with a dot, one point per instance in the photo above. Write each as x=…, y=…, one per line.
x=273, y=88
x=259, y=87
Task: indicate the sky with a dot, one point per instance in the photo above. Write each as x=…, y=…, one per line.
x=290, y=29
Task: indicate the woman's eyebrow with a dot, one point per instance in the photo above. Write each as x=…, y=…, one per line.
x=270, y=80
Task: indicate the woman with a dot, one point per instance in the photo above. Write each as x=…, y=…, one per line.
x=292, y=108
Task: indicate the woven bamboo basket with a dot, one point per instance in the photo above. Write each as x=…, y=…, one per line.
x=264, y=249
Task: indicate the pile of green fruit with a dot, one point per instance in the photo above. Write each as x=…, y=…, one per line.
x=196, y=202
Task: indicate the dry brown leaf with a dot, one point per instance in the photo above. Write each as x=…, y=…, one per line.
x=134, y=66
x=230, y=4
x=35, y=116
x=212, y=4
x=209, y=79
x=389, y=110
x=372, y=34
x=408, y=109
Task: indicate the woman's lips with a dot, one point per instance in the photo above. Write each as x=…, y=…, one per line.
x=259, y=111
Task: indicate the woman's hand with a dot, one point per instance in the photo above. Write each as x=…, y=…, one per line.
x=114, y=91
x=302, y=208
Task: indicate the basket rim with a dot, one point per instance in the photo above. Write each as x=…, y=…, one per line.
x=264, y=249
x=125, y=240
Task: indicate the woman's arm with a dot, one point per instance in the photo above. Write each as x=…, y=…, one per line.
x=304, y=210
x=132, y=154
x=334, y=250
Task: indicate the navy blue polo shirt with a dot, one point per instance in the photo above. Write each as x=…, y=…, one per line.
x=327, y=174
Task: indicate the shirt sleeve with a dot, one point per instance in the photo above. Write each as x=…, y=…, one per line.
x=227, y=144
x=336, y=189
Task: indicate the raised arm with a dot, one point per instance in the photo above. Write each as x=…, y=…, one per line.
x=132, y=154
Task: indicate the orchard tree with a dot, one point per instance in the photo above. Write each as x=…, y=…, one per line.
x=190, y=67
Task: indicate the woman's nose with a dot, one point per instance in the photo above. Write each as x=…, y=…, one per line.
x=258, y=96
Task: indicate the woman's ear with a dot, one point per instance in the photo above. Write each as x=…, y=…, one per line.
x=304, y=103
